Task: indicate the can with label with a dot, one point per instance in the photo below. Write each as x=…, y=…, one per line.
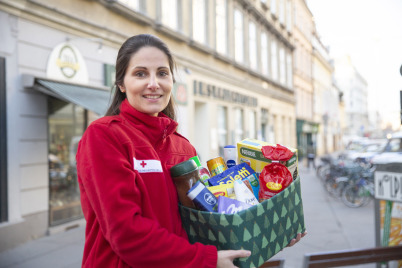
x=216, y=166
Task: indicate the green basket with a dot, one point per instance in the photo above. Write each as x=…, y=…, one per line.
x=264, y=229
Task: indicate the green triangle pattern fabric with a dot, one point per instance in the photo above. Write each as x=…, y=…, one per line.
x=265, y=229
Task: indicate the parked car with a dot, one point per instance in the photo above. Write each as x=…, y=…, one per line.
x=363, y=150
x=392, y=152
x=368, y=152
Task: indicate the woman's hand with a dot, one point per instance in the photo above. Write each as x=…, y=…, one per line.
x=226, y=257
x=297, y=239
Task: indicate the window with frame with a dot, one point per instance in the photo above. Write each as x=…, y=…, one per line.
x=137, y=5
x=289, y=66
x=273, y=7
x=221, y=26
x=238, y=36
x=169, y=14
x=252, y=45
x=252, y=125
x=274, y=60
x=200, y=21
x=222, y=128
x=239, y=125
x=281, y=11
x=289, y=15
x=264, y=54
x=282, y=65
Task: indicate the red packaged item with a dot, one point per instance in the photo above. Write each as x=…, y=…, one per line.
x=275, y=177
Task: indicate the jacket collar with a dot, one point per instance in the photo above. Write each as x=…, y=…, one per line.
x=154, y=127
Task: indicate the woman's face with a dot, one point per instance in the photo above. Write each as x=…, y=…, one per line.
x=148, y=81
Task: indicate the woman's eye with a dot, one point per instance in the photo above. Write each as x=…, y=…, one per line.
x=163, y=73
x=140, y=74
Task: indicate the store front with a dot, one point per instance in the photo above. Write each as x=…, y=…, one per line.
x=71, y=105
x=223, y=116
x=306, y=136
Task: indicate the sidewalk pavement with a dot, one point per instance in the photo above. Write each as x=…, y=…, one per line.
x=330, y=225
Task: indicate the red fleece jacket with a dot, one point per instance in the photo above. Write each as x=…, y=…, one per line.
x=128, y=197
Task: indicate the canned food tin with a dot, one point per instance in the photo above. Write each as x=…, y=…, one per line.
x=216, y=166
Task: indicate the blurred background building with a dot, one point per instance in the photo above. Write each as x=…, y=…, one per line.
x=246, y=69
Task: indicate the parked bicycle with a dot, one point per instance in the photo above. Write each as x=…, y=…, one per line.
x=361, y=192
x=340, y=173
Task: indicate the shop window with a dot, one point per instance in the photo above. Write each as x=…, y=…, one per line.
x=67, y=123
x=221, y=26
x=200, y=21
x=222, y=128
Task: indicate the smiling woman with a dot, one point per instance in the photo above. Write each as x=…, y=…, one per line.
x=128, y=197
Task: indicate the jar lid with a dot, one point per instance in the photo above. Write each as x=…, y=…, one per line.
x=183, y=168
x=197, y=160
x=229, y=146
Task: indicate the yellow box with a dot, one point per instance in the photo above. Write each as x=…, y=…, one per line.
x=249, y=151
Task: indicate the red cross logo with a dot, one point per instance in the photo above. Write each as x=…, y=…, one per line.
x=143, y=164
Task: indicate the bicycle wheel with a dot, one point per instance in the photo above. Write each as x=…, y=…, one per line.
x=330, y=186
x=354, y=196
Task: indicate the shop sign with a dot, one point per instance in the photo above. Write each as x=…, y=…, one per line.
x=310, y=127
x=223, y=94
x=66, y=63
x=388, y=186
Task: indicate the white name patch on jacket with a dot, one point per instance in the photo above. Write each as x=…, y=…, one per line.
x=147, y=166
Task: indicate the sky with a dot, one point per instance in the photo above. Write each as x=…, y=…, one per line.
x=370, y=32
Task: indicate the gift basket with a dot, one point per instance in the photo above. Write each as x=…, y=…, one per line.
x=263, y=222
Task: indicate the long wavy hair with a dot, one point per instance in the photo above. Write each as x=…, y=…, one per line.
x=126, y=51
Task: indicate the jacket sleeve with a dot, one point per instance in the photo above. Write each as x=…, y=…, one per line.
x=108, y=180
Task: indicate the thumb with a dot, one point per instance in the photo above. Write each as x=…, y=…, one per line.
x=240, y=253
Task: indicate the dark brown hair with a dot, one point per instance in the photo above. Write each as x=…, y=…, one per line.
x=127, y=50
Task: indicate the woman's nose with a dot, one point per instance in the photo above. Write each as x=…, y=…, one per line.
x=153, y=82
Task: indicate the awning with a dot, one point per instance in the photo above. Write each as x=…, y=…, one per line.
x=90, y=98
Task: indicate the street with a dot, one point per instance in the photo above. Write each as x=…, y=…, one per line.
x=331, y=225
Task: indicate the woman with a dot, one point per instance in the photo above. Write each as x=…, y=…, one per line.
x=128, y=197
x=123, y=162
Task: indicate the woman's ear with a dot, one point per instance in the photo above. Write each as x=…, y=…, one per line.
x=122, y=88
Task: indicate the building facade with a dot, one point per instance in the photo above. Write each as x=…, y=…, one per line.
x=307, y=128
x=326, y=101
x=355, y=94
x=234, y=80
